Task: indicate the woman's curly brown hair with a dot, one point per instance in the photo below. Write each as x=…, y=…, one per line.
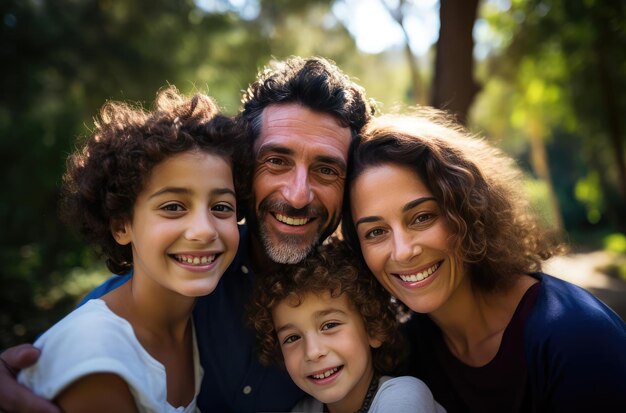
x=105, y=175
x=477, y=186
x=333, y=268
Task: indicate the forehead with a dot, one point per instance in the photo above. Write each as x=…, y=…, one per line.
x=185, y=168
x=366, y=189
x=295, y=307
x=303, y=131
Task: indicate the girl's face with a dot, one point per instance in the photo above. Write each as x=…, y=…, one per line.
x=326, y=348
x=404, y=237
x=184, y=227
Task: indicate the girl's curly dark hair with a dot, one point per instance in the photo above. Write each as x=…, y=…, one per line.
x=477, y=186
x=105, y=175
x=333, y=268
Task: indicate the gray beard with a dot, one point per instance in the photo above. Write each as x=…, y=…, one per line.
x=288, y=250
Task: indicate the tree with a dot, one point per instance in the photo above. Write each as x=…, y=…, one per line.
x=454, y=87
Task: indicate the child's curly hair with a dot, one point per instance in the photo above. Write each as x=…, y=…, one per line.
x=333, y=268
x=106, y=174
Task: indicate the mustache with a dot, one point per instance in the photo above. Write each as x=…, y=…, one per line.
x=284, y=208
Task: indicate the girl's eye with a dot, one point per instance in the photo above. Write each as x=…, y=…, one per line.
x=290, y=339
x=223, y=208
x=172, y=208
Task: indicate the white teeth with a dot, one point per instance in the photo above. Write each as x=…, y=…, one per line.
x=420, y=275
x=291, y=221
x=194, y=259
x=325, y=374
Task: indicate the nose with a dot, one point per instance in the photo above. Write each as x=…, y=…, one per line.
x=405, y=246
x=315, y=348
x=297, y=190
x=201, y=227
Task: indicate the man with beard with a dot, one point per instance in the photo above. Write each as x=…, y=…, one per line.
x=301, y=115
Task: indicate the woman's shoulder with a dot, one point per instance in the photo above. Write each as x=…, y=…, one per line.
x=560, y=302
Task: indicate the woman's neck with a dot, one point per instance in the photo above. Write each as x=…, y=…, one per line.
x=473, y=322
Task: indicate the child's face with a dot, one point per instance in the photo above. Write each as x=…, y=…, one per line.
x=326, y=349
x=184, y=226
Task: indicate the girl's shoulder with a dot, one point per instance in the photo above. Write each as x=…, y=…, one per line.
x=88, y=340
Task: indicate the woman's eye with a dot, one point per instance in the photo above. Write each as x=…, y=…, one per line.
x=424, y=217
x=377, y=232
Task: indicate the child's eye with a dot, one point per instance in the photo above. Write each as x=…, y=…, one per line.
x=173, y=207
x=290, y=339
x=329, y=325
x=223, y=208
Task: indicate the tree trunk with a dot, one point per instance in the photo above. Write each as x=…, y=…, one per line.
x=454, y=87
x=541, y=166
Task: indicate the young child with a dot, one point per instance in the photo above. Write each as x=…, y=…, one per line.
x=155, y=193
x=338, y=334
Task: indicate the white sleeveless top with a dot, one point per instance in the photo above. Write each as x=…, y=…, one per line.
x=93, y=339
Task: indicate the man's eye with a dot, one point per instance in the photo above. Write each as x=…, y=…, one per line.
x=325, y=170
x=276, y=161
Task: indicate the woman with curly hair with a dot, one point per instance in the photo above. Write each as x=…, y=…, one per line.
x=155, y=193
x=335, y=329
x=439, y=218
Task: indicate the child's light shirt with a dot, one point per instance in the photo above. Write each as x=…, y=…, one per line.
x=403, y=394
x=93, y=339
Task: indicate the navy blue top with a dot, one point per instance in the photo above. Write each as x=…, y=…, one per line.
x=563, y=351
x=234, y=380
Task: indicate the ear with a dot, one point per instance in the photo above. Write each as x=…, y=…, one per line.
x=120, y=229
x=375, y=342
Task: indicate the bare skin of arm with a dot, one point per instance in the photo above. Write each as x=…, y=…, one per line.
x=101, y=392
x=13, y=396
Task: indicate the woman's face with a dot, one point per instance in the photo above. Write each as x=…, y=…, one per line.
x=404, y=236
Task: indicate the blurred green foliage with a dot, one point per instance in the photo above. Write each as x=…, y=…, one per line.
x=546, y=74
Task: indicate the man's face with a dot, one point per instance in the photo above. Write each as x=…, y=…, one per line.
x=299, y=175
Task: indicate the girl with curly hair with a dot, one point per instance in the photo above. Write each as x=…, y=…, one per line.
x=439, y=218
x=155, y=193
x=335, y=330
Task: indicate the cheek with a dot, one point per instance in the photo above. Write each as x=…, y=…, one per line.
x=373, y=259
x=292, y=362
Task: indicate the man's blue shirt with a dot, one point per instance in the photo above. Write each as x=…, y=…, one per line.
x=234, y=380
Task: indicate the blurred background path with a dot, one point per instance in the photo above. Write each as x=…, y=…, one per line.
x=586, y=270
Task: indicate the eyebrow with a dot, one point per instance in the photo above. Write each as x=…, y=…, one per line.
x=275, y=148
x=407, y=207
x=186, y=191
x=317, y=314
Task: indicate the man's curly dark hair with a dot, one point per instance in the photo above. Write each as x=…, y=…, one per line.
x=330, y=268
x=315, y=83
x=105, y=175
